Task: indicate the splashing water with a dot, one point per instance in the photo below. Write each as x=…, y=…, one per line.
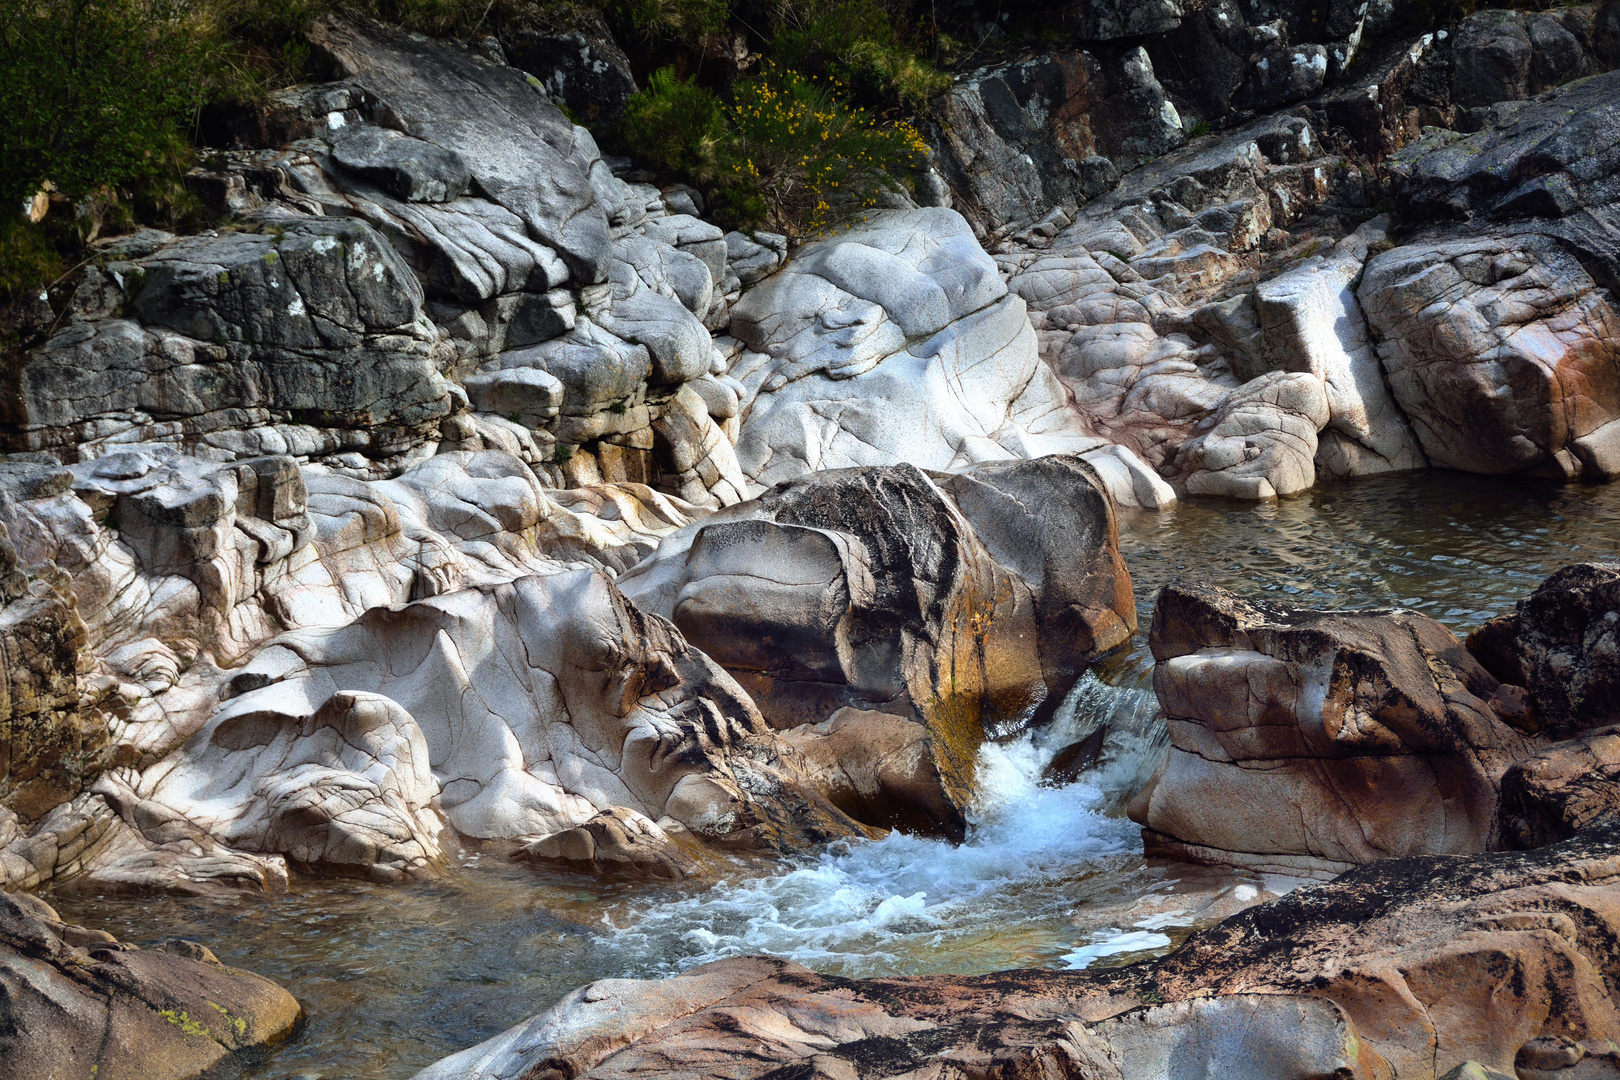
x=1033, y=854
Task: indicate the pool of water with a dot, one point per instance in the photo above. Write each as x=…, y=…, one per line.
x=395, y=977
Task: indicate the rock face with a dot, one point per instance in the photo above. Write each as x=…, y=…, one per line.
x=1412, y=968
x=76, y=1002
x=960, y=604
x=1374, y=729
x=1563, y=646
x=1502, y=352
x=1019, y=139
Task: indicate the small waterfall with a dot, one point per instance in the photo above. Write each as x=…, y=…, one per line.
x=1036, y=850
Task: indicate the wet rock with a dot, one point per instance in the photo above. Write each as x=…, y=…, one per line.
x=1563, y=646
x=1563, y=789
x=1502, y=352
x=1374, y=728
x=1471, y=967
x=960, y=604
x=615, y=843
x=896, y=341
x=76, y=1002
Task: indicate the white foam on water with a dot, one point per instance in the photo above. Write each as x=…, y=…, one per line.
x=906, y=903
x=1115, y=943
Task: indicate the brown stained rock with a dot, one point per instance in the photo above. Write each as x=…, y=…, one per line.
x=615, y=843
x=75, y=1003
x=1503, y=353
x=1310, y=741
x=960, y=604
x=1565, y=788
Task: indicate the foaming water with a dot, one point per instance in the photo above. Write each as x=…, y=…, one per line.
x=905, y=903
x=395, y=977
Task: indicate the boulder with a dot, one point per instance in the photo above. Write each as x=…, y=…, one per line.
x=406, y=168
x=893, y=342
x=1562, y=645
x=1563, y=789
x=615, y=843
x=77, y=1002
x=1374, y=729
x=1501, y=351
x=960, y=604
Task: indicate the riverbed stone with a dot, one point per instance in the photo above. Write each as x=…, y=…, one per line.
x=1374, y=727
x=77, y=1002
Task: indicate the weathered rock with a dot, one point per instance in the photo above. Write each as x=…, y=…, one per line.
x=1552, y=160
x=523, y=152
x=582, y=67
x=960, y=604
x=581, y=703
x=406, y=168
x=1504, y=353
x=1014, y=141
x=1563, y=789
x=615, y=843
x=322, y=322
x=895, y=341
x=1372, y=729
x=1563, y=646
x=78, y=1003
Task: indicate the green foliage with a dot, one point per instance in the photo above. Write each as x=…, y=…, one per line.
x=28, y=259
x=1199, y=129
x=785, y=151
x=674, y=126
x=860, y=43
x=688, y=21
x=96, y=93
x=801, y=159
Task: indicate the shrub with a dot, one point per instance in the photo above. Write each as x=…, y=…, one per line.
x=96, y=92
x=797, y=158
x=859, y=43
x=28, y=259
x=674, y=126
x=783, y=152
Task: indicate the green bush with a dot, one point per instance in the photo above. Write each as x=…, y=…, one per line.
x=28, y=259
x=96, y=93
x=860, y=43
x=785, y=151
x=801, y=159
x=674, y=126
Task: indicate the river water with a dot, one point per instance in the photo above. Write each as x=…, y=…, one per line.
x=395, y=977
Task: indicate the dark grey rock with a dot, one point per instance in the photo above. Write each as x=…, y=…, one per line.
x=523, y=152
x=406, y=168
x=1491, y=59
x=583, y=68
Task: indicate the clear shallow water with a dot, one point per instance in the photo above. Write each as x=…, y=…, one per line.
x=394, y=978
